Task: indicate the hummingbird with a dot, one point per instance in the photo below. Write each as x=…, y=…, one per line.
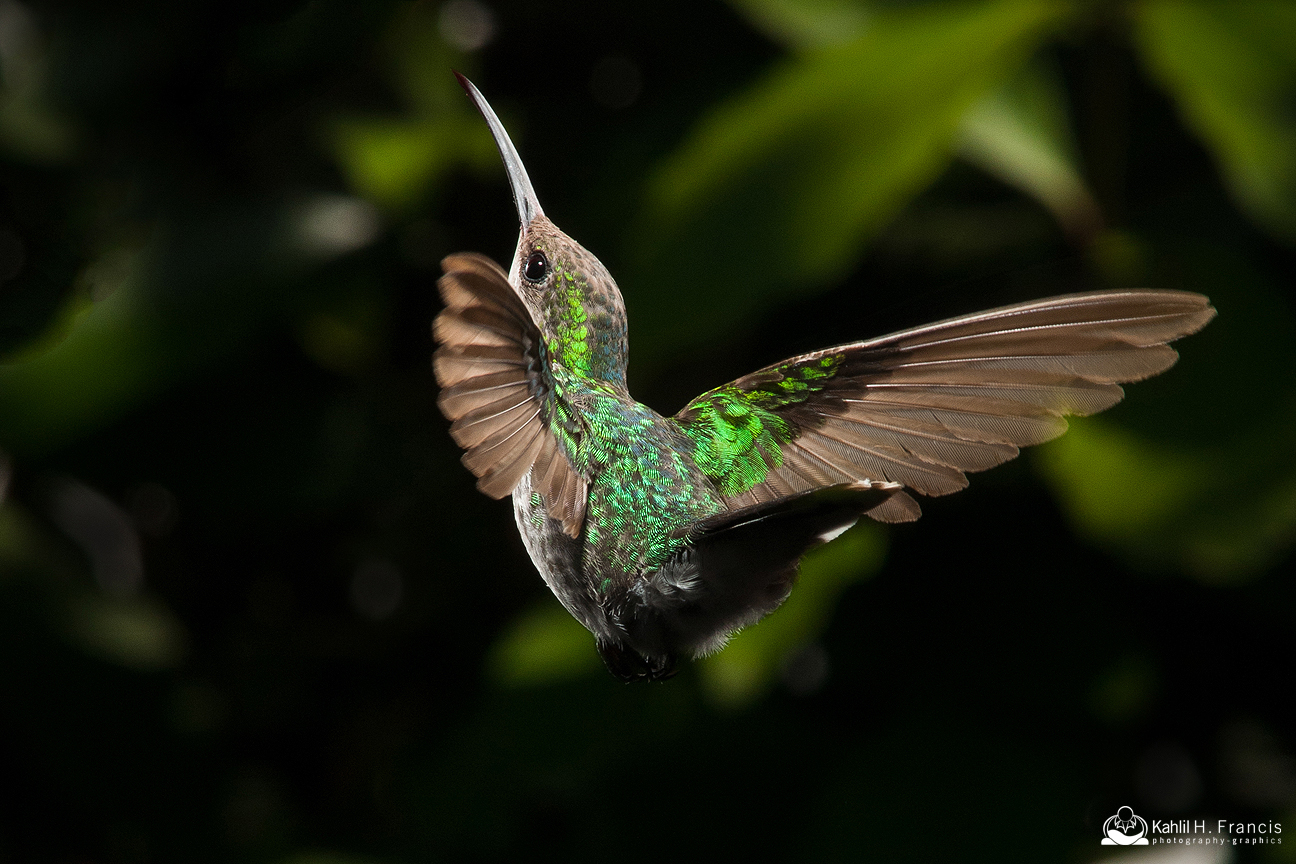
x=663, y=536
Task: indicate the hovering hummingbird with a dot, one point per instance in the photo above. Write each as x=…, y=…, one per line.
x=665, y=535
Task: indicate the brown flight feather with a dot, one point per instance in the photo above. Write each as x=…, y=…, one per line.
x=490, y=371
x=921, y=407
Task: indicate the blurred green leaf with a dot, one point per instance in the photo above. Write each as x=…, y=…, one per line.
x=1232, y=68
x=29, y=127
x=136, y=632
x=31, y=130
x=781, y=187
x=801, y=24
x=95, y=359
x=145, y=319
x=395, y=161
x=1130, y=486
x=1212, y=512
x=1021, y=134
x=545, y=645
x=750, y=664
x=22, y=545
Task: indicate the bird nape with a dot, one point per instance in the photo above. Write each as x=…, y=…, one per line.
x=665, y=535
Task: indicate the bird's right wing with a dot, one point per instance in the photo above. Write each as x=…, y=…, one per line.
x=923, y=406
x=497, y=390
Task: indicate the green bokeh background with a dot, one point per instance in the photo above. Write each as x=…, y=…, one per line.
x=252, y=608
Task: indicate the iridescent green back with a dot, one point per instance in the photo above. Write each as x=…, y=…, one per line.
x=738, y=431
x=646, y=487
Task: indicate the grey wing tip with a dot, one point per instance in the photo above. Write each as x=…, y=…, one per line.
x=1191, y=317
x=1204, y=316
x=1196, y=313
x=898, y=507
x=491, y=489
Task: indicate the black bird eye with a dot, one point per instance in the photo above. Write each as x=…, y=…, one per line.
x=537, y=267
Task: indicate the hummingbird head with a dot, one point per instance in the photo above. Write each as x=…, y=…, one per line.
x=571, y=296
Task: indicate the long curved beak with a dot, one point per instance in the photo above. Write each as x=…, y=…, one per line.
x=524, y=196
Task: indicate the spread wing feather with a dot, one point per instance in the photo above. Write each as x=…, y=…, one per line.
x=495, y=390
x=924, y=406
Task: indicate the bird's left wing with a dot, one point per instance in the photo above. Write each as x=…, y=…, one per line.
x=923, y=406
x=497, y=389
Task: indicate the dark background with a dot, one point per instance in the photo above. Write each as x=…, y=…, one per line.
x=253, y=609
